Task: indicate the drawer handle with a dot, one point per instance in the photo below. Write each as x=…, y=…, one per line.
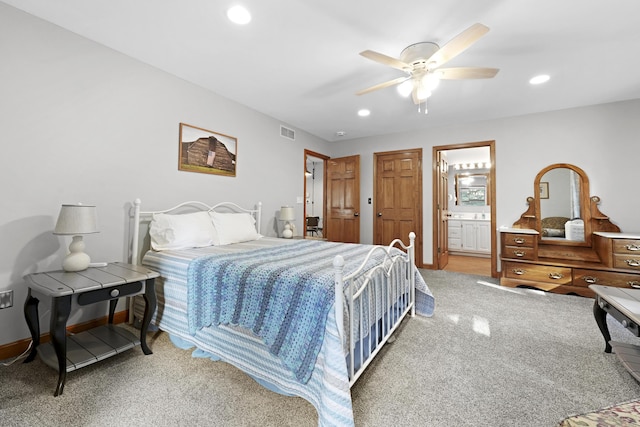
x=519, y=253
x=634, y=284
x=114, y=293
x=633, y=247
x=590, y=279
x=518, y=240
x=555, y=276
x=518, y=271
x=632, y=262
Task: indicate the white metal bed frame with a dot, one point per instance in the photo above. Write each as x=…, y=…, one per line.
x=388, y=321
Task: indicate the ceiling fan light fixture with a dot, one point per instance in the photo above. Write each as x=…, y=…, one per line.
x=430, y=81
x=405, y=88
x=422, y=93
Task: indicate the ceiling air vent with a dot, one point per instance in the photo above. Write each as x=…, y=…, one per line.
x=285, y=132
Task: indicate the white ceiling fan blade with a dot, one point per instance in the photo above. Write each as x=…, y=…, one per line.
x=385, y=60
x=383, y=85
x=458, y=73
x=458, y=44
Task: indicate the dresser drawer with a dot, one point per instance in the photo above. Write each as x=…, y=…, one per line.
x=517, y=239
x=628, y=262
x=538, y=273
x=626, y=246
x=517, y=252
x=605, y=278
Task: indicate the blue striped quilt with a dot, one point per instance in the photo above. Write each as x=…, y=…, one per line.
x=282, y=294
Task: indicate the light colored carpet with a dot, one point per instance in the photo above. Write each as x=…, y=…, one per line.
x=490, y=356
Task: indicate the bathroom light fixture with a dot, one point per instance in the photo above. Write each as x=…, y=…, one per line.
x=478, y=165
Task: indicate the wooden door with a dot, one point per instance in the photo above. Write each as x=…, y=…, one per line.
x=343, y=200
x=442, y=209
x=398, y=197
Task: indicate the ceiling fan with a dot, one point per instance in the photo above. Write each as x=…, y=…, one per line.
x=422, y=61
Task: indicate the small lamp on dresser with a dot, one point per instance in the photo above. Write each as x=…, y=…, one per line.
x=76, y=220
x=287, y=214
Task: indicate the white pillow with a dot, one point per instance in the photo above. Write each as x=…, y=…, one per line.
x=193, y=230
x=234, y=227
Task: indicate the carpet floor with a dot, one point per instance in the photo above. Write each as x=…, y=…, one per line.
x=490, y=356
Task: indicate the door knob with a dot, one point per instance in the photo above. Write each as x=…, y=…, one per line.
x=356, y=214
x=379, y=213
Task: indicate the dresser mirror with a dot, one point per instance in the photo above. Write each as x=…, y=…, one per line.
x=471, y=189
x=562, y=200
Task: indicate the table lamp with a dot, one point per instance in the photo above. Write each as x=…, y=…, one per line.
x=76, y=220
x=287, y=213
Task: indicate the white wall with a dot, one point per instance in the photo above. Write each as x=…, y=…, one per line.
x=602, y=140
x=83, y=123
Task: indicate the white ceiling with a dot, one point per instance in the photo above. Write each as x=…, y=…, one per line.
x=298, y=61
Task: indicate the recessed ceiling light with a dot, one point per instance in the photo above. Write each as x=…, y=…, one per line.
x=364, y=112
x=542, y=78
x=341, y=133
x=239, y=15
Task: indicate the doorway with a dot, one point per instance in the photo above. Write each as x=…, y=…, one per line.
x=470, y=209
x=314, y=191
x=397, y=201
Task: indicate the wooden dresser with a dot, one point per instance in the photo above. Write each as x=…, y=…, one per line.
x=563, y=242
x=614, y=260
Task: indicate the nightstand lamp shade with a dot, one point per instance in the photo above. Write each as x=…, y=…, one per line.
x=287, y=214
x=76, y=220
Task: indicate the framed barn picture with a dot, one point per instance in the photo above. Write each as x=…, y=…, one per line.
x=205, y=151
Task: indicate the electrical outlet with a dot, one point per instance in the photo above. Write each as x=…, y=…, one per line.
x=6, y=299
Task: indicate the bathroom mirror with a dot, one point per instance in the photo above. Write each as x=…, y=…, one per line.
x=471, y=189
x=562, y=200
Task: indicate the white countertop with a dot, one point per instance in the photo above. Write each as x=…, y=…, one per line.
x=517, y=230
x=616, y=235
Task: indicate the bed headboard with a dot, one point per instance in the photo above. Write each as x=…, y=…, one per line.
x=140, y=241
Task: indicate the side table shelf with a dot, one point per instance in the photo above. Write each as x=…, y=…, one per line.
x=95, y=284
x=90, y=346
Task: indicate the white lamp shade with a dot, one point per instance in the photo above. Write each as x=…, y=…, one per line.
x=287, y=213
x=76, y=219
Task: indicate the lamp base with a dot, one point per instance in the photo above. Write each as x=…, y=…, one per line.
x=287, y=233
x=76, y=260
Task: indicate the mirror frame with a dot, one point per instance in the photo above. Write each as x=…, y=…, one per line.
x=487, y=196
x=585, y=211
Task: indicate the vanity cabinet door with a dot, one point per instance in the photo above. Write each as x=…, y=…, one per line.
x=469, y=235
x=483, y=236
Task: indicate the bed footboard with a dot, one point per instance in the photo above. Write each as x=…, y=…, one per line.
x=376, y=306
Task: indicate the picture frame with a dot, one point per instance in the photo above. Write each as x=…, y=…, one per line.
x=544, y=190
x=205, y=151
